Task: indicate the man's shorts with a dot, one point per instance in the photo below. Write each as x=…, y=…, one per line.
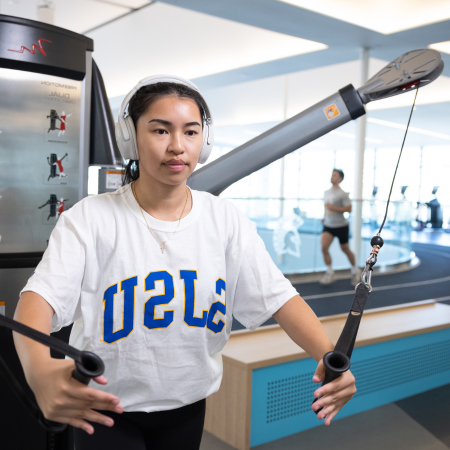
x=341, y=233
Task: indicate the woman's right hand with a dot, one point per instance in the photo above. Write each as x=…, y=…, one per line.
x=65, y=400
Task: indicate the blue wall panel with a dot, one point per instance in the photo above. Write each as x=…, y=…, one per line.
x=385, y=372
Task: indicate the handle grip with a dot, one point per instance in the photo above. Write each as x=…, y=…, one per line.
x=91, y=366
x=336, y=363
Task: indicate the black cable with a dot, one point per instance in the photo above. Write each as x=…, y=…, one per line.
x=87, y=365
x=398, y=162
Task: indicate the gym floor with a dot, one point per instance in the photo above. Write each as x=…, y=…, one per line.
x=429, y=280
x=420, y=422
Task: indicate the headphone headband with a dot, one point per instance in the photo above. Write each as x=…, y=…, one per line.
x=145, y=82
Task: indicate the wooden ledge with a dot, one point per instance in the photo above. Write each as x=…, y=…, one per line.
x=270, y=345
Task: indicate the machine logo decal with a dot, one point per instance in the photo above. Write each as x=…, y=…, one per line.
x=34, y=47
x=331, y=111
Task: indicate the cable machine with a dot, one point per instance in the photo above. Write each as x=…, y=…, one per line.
x=30, y=116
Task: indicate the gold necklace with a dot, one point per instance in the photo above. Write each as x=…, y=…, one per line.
x=153, y=234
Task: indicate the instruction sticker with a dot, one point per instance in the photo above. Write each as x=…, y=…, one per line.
x=2, y=308
x=331, y=111
x=113, y=179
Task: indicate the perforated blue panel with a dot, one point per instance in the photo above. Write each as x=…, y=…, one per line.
x=386, y=372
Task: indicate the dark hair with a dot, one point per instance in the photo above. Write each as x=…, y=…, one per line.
x=141, y=101
x=340, y=172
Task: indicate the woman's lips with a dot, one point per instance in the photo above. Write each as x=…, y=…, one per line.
x=175, y=167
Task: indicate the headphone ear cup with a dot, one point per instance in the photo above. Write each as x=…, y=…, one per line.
x=132, y=143
x=208, y=142
x=119, y=140
x=128, y=148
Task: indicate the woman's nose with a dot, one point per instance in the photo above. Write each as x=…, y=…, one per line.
x=176, y=143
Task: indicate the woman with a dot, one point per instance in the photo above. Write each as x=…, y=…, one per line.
x=151, y=275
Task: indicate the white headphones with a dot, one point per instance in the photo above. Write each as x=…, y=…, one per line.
x=126, y=132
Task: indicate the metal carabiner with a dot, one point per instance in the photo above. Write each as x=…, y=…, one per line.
x=372, y=259
x=366, y=276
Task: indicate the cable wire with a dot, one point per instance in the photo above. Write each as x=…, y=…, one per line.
x=398, y=162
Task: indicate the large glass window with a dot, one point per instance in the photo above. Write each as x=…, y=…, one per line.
x=306, y=174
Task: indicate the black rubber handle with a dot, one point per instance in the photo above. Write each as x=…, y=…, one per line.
x=336, y=363
x=91, y=366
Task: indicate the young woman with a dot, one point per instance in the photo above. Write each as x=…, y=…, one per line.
x=150, y=276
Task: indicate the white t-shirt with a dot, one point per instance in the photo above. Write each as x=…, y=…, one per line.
x=158, y=321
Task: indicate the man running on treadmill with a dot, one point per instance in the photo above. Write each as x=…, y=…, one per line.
x=335, y=225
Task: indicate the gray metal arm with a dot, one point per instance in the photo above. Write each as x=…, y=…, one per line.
x=410, y=71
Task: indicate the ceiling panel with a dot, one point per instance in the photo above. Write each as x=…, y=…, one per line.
x=383, y=16
x=168, y=39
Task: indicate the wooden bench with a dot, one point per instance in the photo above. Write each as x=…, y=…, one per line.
x=266, y=391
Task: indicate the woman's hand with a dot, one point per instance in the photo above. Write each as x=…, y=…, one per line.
x=333, y=396
x=65, y=400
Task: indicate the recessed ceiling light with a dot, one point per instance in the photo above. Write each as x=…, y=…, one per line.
x=383, y=16
x=441, y=46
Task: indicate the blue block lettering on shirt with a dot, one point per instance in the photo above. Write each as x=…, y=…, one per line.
x=149, y=307
x=217, y=306
x=189, y=277
x=127, y=286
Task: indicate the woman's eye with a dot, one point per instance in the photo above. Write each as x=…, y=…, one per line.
x=160, y=131
x=191, y=133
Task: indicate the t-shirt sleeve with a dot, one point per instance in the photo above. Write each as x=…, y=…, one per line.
x=346, y=199
x=59, y=275
x=261, y=288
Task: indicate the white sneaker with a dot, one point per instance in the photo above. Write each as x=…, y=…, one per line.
x=356, y=278
x=328, y=278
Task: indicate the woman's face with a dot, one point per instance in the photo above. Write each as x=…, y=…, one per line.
x=169, y=138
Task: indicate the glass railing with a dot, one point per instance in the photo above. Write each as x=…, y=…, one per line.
x=292, y=228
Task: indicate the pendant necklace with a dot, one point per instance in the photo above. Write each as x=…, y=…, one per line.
x=151, y=231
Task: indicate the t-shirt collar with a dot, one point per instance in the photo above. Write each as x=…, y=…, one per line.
x=156, y=224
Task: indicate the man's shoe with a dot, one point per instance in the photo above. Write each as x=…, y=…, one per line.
x=328, y=278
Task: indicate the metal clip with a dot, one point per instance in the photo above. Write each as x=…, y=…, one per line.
x=366, y=275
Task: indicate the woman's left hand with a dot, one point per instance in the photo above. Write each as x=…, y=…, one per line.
x=333, y=396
